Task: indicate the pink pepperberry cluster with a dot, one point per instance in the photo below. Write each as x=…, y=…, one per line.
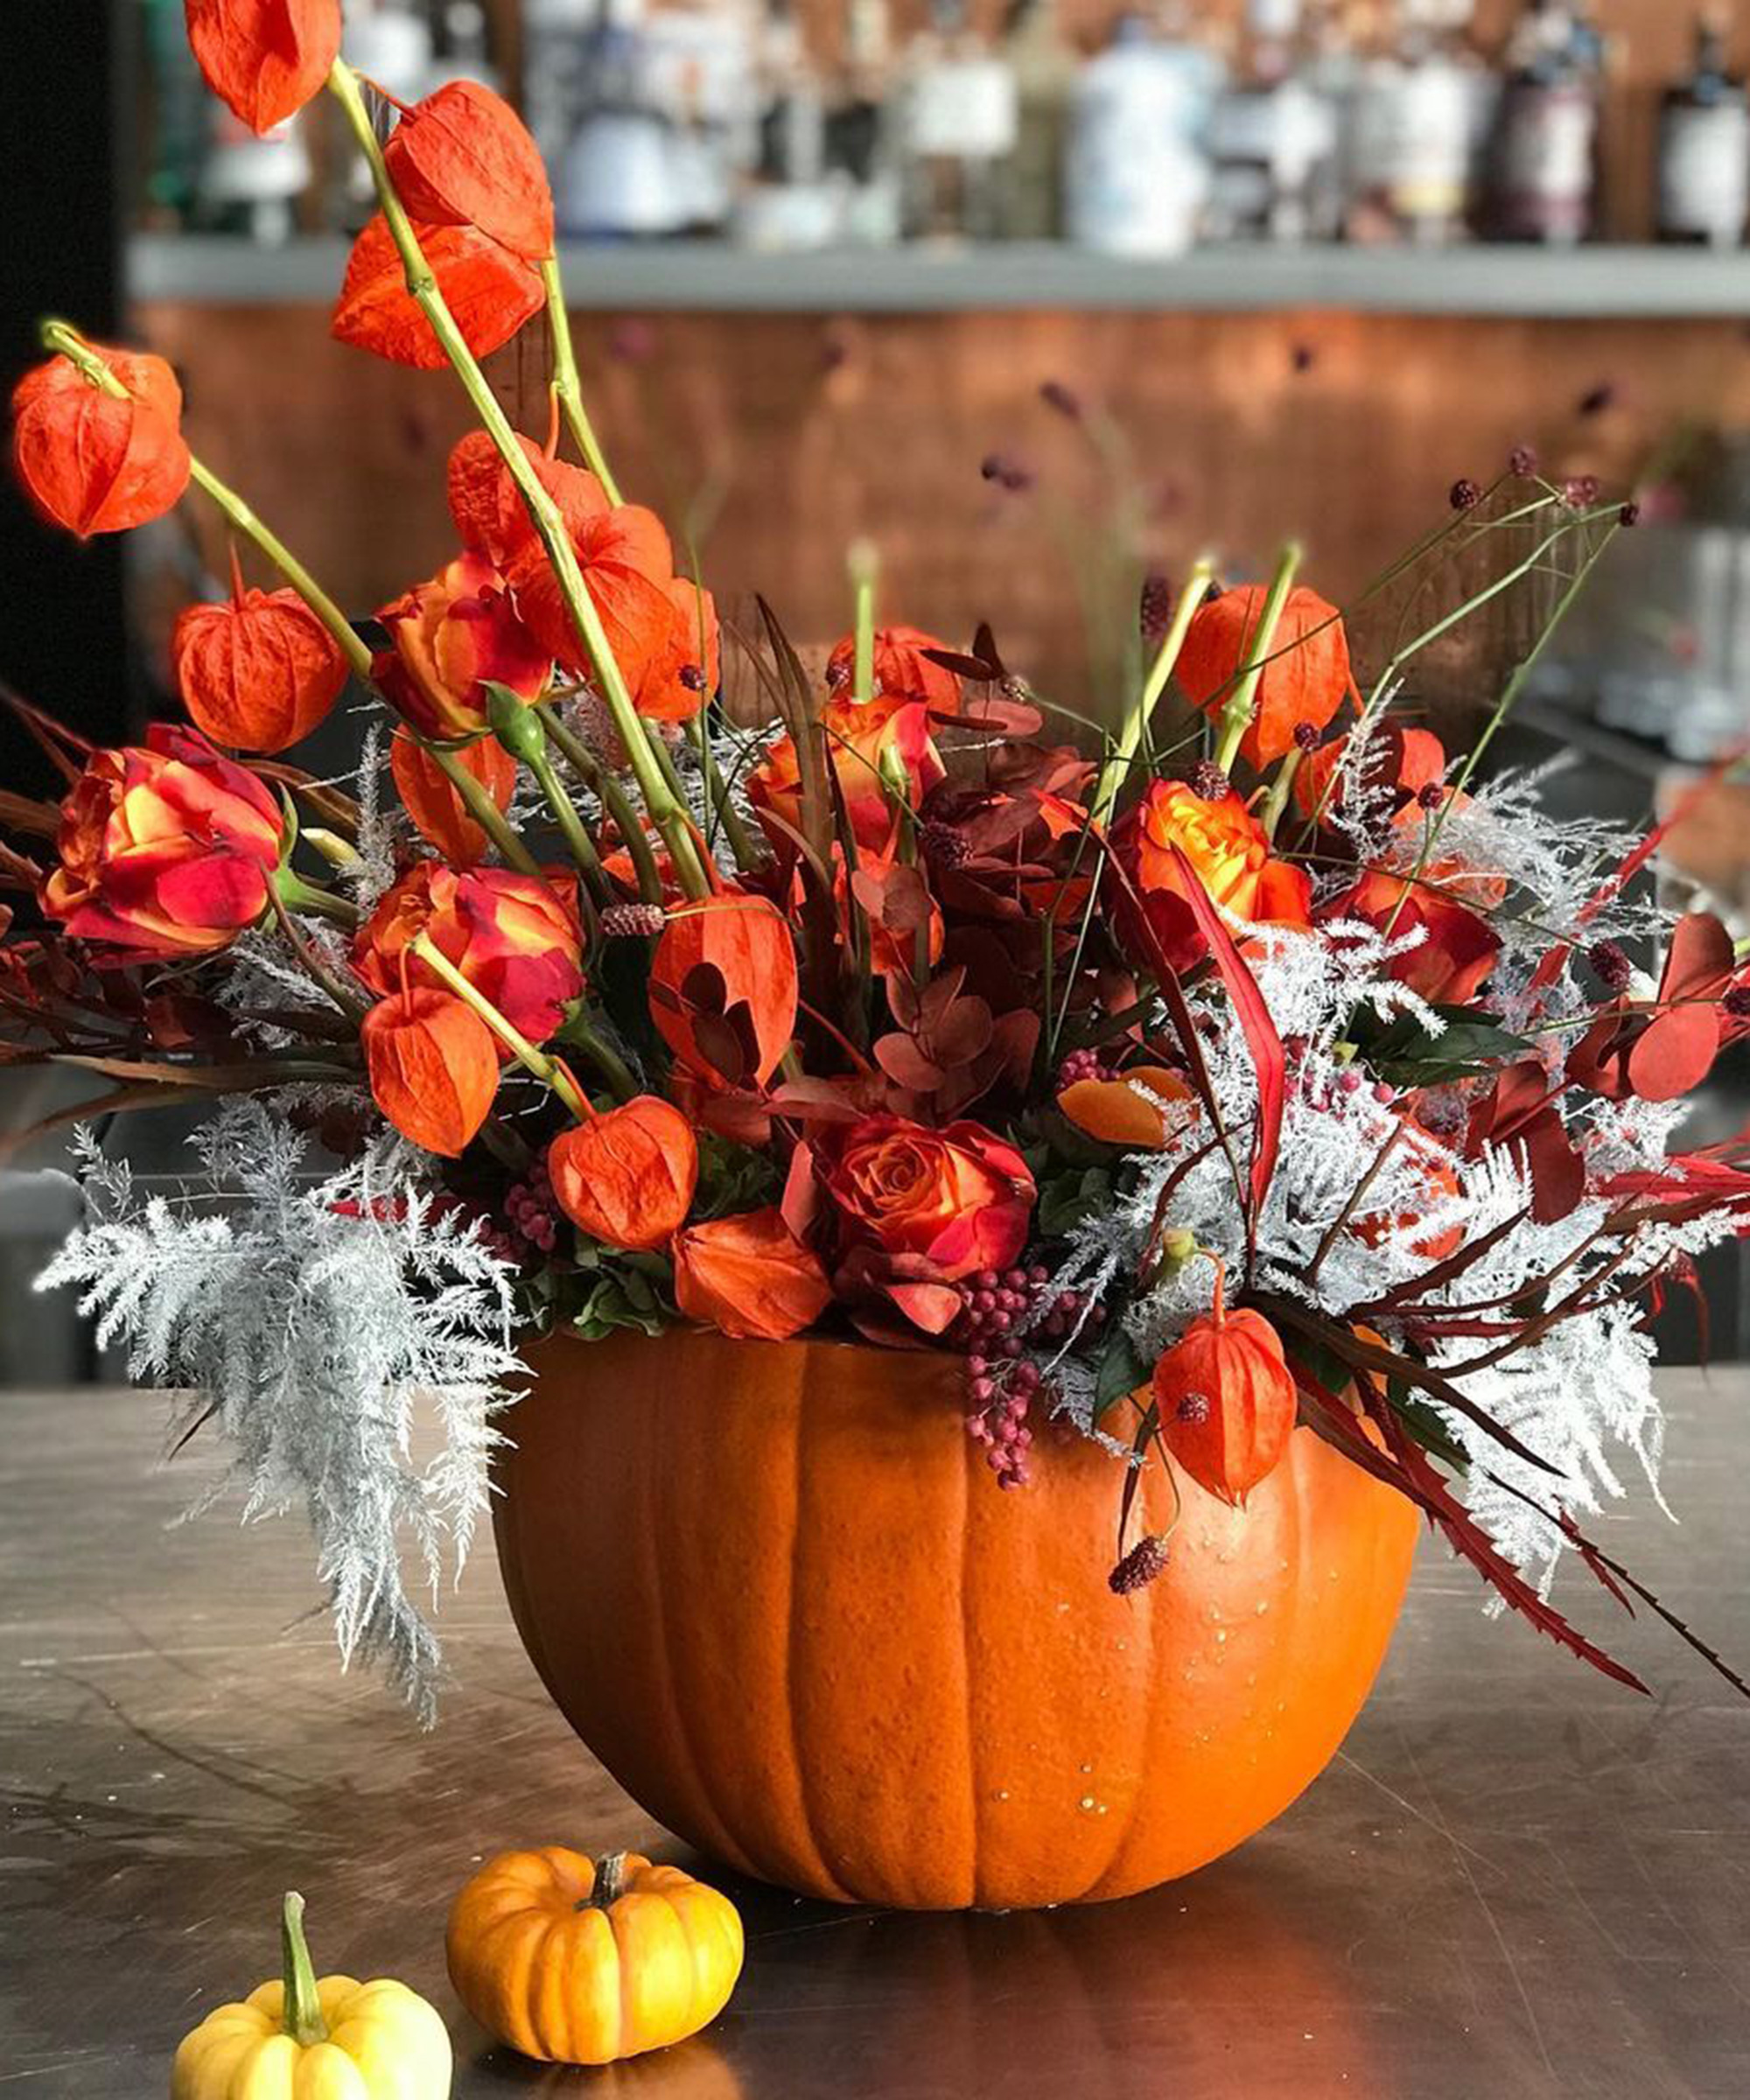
x=1001, y=1394
x=532, y=1211
x=1001, y=1303
x=1080, y=1065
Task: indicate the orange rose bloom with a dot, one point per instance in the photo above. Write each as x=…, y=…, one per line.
x=857, y=740
x=749, y=1277
x=447, y=638
x=433, y=1067
x=959, y=1197
x=627, y=1177
x=1306, y=678
x=1451, y=965
x=1227, y=846
x=94, y=461
x=902, y=671
x=514, y=938
x=165, y=851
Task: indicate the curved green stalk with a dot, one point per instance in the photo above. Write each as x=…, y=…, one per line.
x=1237, y=714
x=1120, y=759
x=567, y=388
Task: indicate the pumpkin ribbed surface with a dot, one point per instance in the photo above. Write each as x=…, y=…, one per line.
x=776, y=1590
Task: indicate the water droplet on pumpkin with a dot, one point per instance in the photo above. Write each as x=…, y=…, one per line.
x=1221, y=1636
x=1263, y=1605
x=1002, y=1794
x=1087, y=1767
x=1086, y=1804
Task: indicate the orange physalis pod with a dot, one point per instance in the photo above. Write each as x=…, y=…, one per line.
x=749, y=1277
x=95, y=461
x=1226, y=1399
x=462, y=157
x=258, y=670
x=490, y=290
x=627, y=1177
x=723, y=988
x=264, y=58
x=1305, y=678
x=434, y=805
x=433, y=1067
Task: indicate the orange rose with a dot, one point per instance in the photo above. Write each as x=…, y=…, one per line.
x=859, y=740
x=902, y=671
x=436, y=808
x=1229, y=848
x=165, y=851
x=514, y=938
x=749, y=1277
x=1449, y=967
x=958, y=1199
x=448, y=638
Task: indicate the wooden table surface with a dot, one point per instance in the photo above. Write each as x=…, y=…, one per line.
x=1515, y=1880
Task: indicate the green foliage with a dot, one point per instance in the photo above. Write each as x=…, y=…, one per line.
x=1124, y=1370
x=1404, y=1052
x=1071, y=1194
x=612, y=1291
x=733, y=1178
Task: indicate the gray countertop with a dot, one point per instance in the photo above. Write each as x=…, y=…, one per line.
x=1516, y=1879
x=716, y=276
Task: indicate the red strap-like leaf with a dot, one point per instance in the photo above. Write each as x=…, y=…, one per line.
x=489, y=291
x=1265, y=1045
x=264, y=58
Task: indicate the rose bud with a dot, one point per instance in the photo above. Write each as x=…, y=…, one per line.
x=901, y=668
x=749, y=1277
x=166, y=850
x=434, y=805
x=958, y=1197
x=450, y=638
x=1306, y=675
x=1226, y=1400
x=95, y=461
x=258, y=670
x=433, y=1067
x=627, y=1177
x=515, y=938
x=723, y=988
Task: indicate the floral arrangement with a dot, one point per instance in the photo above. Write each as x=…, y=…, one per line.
x=1246, y=1064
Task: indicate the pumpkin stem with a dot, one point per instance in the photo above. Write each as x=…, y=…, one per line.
x=610, y=1883
x=302, y=2017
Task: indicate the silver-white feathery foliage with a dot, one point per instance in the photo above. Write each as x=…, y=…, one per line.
x=1577, y=1395
x=311, y=1316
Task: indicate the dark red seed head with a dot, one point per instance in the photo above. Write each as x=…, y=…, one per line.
x=1139, y=1567
x=1465, y=495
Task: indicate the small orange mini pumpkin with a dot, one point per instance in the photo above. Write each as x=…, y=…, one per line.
x=574, y=1963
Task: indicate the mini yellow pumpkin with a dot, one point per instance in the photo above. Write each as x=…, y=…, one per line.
x=575, y=1963
x=338, y=2040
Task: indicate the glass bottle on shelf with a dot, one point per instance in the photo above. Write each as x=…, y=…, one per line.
x=1045, y=69
x=1703, y=183
x=1423, y=105
x=789, y=204
x=1272, y=137
x=1542, y=177
x=1136, y=181
x=557, y=41
x=392, y=44
x=178, y=118
x=859, y=142
x=616, y=180
x=958, y=120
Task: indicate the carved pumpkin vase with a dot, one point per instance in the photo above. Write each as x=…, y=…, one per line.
x=776, y=1591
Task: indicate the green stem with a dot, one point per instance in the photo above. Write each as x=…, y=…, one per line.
x=608, y=1062
x=669, y=817
x=547, y=1069
x=567, y=389
x=298, y=895
x=865, y=565
x=1237, y=714
x=597, y=887
x=1122, y=755
x=301, y=2017
x=1277, y=800
x=722, y=802
x=353, y=644
x=600, y=779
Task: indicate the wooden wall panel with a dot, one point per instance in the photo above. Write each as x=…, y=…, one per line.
x=775, y=440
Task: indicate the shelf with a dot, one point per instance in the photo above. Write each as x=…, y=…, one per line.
x=709, y=276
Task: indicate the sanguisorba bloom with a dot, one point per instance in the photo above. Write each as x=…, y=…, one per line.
x=448, y=638
x=165, y=850
x=515, y=938
x=1228, y=851
x=959, y=1198
x=95, y=461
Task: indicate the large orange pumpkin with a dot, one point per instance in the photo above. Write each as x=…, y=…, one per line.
x=773, y=1587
